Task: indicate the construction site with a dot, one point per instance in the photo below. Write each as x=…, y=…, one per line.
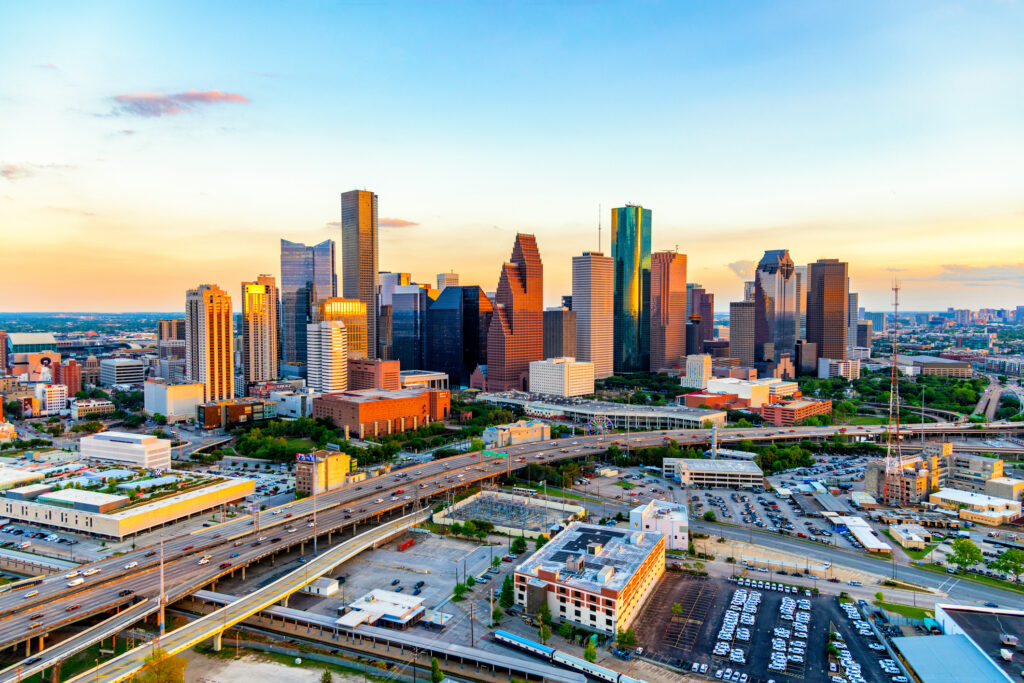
x=512, y=513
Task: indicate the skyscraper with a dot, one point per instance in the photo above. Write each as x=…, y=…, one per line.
x=593, y=283
x=775, y=322
x=352, y=312
x=359, y=256
x=447, y=280
x=827, y=302
x=741, y=332
x=456, y=333
x=559, y=332
x=259, y=331
x=631, y=252
x=209, y=341
x=668, y=310
x=327, y=354
x=307, y=277
x=516, y=335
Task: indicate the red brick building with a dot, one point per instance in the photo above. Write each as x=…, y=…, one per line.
x=364, y=373
x=789, y=413
x=516, y=335
x=372, y=412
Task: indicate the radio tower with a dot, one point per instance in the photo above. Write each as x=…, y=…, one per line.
x=895, y=493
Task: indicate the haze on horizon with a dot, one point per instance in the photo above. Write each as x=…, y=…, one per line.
x=147, y=148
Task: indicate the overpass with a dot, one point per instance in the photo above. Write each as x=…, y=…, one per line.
x=214, y=624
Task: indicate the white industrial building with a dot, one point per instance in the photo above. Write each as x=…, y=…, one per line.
x=140, y=450
x=669, y=519
x=176, y=401
x=121, y=371
x=563, y=377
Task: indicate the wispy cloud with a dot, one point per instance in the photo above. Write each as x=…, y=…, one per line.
x=15, y=172
x=395, y=223
x=743, y=268
x=152, y=104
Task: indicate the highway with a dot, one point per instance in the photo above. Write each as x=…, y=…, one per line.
x=238, y=542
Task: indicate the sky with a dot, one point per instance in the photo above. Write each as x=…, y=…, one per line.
x=146, y=148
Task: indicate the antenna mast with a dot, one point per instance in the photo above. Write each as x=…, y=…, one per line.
x=895, y=492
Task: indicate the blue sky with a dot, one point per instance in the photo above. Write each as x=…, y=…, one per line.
x=888, y=134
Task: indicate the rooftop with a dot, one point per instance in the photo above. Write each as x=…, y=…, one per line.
x=948, y=659
x=706, y=465
x=610, y=556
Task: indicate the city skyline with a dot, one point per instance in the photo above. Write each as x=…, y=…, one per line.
x=880, y=124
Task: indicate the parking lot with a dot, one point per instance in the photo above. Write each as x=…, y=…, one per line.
x=734, y=629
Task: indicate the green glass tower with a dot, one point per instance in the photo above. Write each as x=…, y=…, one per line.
x=631, y=254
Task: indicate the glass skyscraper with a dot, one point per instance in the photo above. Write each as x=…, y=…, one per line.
x=631, y=255
x=307, y=278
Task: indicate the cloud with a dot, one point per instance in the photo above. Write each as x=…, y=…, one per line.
x=743, y=269
x=151, y=104
x=395, y=223
x=16, y=172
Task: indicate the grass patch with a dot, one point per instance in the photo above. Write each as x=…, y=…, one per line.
x=969, y=576
x=909, y=611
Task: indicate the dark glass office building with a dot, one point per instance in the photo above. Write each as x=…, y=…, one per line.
x=631, y=257
x=457, y=324
x=307, y=278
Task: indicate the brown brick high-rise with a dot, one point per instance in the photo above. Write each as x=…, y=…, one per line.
x=516, y=336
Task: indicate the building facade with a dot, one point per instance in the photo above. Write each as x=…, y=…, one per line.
x=631, y=254
x=209, y=342
x=359, y=256
x=593, y=284
x=259, y=331
x=516, y=334
x=668, y=310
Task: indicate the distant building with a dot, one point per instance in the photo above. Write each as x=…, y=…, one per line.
x=698, y=371
x=121, y=371
x=523, y=431
x=562, y=377
x=370, y=413
x=669, y=519
x=593, y=302
x=322, y=471
x=364, y=373
x=139, y=450
x=559, y=332
x=177, y=401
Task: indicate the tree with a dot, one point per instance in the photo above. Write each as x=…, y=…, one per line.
x=162, y=668
x=544, y=632
x=326, y=677
x=507, y=597
x=519, y=545
x=965, y=553
x=709, y=516
x=589, y=652
x=565, y=630
x=1010, y=562
x=436, y=675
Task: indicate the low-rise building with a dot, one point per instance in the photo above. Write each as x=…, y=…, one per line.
x=789, y=413
x=121, y=371
x=82, y=408
x=177, y=401
x=703, y=473
x=595, y=576
x=523, y=431
x=372, y=412
x=562, y=377
x=977, y=507
x=140, y=450
x=669, y=519
x=322, y=471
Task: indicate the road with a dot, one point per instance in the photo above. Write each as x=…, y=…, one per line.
x=246, y=539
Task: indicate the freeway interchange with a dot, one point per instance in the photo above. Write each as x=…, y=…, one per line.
x=31, y=612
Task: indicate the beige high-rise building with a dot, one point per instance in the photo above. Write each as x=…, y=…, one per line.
x=259, y=330
x=668, y=309
x=352, y=312
x=208, y=341
x=359, y=256
x=326, y=356
x=593, y=283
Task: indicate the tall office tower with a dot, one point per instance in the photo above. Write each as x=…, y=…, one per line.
x=259, y=331
x=748, y=290
x=308, y=277
x=851, y=319
x=359, y=256
x=668, y=310
x=327, y=356
x=800, y=274
x=208, y=342
x=559, y=332
x=775, y=322
x=409, y=305
x=352, y=312
x=631, y=252
x=701, y=302
x=516, y=336
x=447, y=280
x=827, y=301
x=456, y=333
x=593, y=282
x=741, y=332
x=865, y=332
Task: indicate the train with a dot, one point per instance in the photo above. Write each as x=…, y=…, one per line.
x=552, y=655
